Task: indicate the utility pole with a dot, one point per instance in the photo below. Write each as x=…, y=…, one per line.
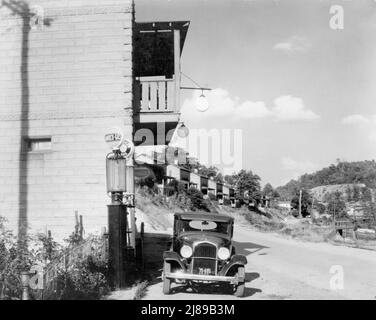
x=300, y=204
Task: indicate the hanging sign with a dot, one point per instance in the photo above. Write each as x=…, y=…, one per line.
x=114, y=138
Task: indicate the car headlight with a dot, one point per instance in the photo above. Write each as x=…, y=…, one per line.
x=223, y=253
x=186, y=251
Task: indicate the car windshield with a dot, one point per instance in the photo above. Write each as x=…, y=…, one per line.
x=203, y=225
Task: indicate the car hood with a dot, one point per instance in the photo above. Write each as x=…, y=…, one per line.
x=191, y=237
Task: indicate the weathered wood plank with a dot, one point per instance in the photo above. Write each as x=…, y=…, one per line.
x=153, y=96
x=145, y=96
x=162, y=96
x=137, y=96
x=170, y=96
x=177, y=70
x=154, y=78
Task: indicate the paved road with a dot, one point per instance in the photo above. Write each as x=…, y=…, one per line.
x=280, y=268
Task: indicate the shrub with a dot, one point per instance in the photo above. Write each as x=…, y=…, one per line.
x=146, y=182
x=226, y=201
x=212, y=197
x=85, y=280
x=182, y=201
x=197, y=199
x=17, y=256
x=320, y=207
x=141, y=289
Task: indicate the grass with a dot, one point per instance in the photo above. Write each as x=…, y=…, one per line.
x=262, y=222
x=141, y=289
x=308, y=232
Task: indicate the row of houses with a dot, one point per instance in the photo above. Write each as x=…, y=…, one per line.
x=206, y=185
x=164, y=171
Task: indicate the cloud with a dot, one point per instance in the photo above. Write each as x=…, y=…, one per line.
x=293, y=45
x=356, y=119
x=252, y=110
x=222, y=104
x=298, y=167
x=291, y=108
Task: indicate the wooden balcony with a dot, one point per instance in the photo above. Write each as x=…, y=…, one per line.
x=156, y=100
x=157, y=79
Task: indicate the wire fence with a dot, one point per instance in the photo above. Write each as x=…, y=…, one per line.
x=97, y=246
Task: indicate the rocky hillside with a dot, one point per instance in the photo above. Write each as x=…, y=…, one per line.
x=341, y=173
x=320, y=193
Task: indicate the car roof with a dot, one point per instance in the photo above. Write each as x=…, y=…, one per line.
x=204, y=216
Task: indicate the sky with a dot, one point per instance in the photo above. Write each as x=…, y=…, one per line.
x=294, y=78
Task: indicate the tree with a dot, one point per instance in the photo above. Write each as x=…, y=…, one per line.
x=219, y=177
x=177, y=187
x=197, y=199
x=230, y=179
x=320, y=207
x=247, y=181
x=288, y=191
x=208, y=171
x=306, y=202
x=368, y=203
x=356, y=193
x=348, y=193
x=275, y=194
x=268, y=190
x=336, y=206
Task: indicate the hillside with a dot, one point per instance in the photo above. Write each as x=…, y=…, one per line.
x=321, y=192
x=342, y=173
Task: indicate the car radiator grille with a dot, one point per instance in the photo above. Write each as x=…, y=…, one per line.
x=205, y=250
x=204, y=260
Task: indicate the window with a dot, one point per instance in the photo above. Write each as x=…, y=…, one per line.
x=38, y=144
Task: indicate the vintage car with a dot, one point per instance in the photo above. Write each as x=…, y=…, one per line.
x=202, y=251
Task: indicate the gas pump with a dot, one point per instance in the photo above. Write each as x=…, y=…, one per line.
x=120, y=187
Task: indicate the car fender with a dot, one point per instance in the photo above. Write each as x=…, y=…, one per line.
x=237, y=259
x=170, y=256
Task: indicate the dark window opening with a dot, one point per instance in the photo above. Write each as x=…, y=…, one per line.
x=38, y=144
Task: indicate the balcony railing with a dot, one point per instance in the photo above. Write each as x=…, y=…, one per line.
x=155, y=94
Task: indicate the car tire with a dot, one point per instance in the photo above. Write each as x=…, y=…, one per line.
x=240, y=287
x=239, y=290
x=166, y=281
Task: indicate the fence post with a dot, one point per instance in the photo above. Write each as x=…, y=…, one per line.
x=81, y=230
x=25, y=279
x=104, y=242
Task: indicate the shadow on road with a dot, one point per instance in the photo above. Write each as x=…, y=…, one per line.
x=154, y=246
x=247, y=248
x=217, y=289
x=250, y=276
x=249, y=292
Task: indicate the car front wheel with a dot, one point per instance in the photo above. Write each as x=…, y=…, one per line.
x=166, y=281
x=240, y=287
